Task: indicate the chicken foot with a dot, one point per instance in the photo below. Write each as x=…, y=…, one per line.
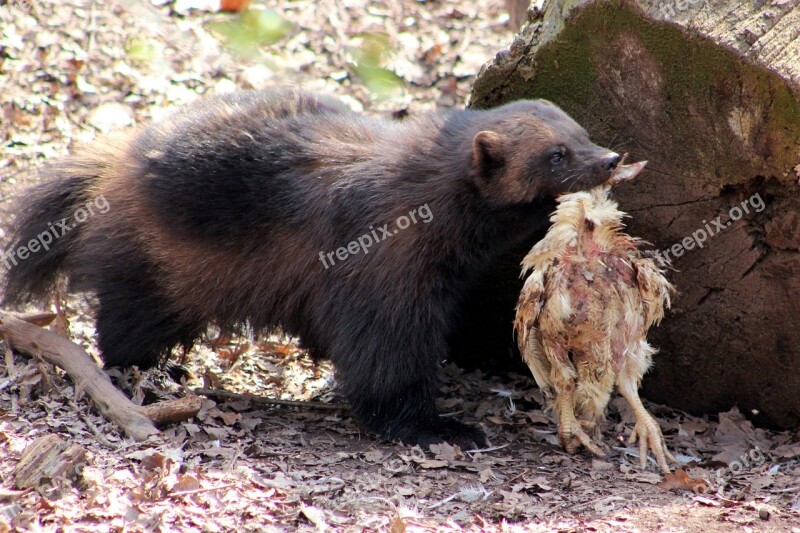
x=647, y=432
x=571, y=432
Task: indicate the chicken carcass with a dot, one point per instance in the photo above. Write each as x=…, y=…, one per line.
x=583, y=316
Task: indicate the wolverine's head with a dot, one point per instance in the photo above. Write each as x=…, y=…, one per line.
x=530, y=149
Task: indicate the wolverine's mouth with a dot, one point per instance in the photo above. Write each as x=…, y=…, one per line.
x=621, y=173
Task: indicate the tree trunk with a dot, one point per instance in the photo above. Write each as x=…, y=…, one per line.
x=709, y=92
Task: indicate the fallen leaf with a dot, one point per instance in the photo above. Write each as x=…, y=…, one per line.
x=537, y=417
x=228, y=418
x=231, y=356
x=485, y=475
x=374, y=456
x=733, y=428
x=431, y=55
x=706, y=501
x=446, y=452
x=690, y=428
x=315, y=516
x=500, y=421
x=787, y=451
x=186, y=483
x=730, y=454
x=760, y=482
x=233, y=5
x=599, y=466
x=110, y=116
x=433, y=463
x=680, y=480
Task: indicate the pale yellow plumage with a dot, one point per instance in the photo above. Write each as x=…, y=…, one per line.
x=583, y=316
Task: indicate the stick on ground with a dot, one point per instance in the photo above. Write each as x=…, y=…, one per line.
x=137, y=422
x=67, y=355
x=261, y=400
x=173, y=411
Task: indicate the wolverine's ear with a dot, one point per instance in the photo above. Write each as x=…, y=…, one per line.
x=488, y=153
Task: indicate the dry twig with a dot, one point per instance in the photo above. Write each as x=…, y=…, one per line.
x=137, y=422
x=260, y=400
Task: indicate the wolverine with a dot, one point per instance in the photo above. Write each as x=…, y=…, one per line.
x=218, y=215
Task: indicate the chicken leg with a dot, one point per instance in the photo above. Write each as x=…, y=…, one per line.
x=571, y=432
x=646, y=430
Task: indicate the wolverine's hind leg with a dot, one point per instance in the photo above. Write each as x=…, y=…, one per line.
x=135, y=324
x=133, y=328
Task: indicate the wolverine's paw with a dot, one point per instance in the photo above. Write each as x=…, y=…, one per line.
x=179, y=373
x=449, y=431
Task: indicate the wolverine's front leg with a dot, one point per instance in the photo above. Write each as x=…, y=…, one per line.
x=408, y=415
x=395, y=394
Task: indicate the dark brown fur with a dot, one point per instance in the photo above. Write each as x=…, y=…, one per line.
x=219, y=215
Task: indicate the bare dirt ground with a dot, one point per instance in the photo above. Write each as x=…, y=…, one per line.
x=70, y=70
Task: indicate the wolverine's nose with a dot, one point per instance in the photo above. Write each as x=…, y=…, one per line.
x=609, y=162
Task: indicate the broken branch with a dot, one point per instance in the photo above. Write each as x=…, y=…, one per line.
x=70, y=357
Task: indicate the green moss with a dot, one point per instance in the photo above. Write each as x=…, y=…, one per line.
x=787, y=106
x=563, y=72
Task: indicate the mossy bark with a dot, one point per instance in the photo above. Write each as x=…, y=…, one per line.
x=708, y=92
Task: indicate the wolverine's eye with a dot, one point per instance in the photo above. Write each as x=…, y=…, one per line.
x=558, y=156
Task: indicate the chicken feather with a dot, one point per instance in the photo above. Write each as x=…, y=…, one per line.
x=583, y=315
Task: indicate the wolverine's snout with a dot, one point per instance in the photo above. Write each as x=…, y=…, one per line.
x=609, y=162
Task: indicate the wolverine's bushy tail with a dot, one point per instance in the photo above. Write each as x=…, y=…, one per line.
x=50, y=218
x=40, y=239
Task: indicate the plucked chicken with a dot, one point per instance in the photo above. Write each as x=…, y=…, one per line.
x=583, y=316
